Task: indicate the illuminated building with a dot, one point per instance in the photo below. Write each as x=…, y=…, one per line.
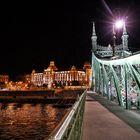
x=4, y=78
x=37, y=78
x=52, y=76
x=25, y=78
x=67, y=77
x=3, y=81
x=88, y=73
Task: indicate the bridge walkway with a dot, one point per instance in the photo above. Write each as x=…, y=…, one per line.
x=104, y=120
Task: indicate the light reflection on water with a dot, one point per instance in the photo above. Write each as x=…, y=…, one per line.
x=28, y=121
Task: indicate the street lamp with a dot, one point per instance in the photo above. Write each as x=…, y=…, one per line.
x=119, y=24
x=116, y=25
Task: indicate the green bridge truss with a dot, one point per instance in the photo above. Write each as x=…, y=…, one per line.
x=117, y=77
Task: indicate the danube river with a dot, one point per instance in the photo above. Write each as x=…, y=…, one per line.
x=28, y=121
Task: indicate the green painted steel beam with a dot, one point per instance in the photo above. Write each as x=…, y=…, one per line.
x=117, y=86
x=133, y=60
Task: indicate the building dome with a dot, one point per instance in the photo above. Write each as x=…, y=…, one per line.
x=51, y=67
x=33, y=71
x=73, y=68
x=87, y=65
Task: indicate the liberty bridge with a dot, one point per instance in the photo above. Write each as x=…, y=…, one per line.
x=111, y=109
x=116, y=71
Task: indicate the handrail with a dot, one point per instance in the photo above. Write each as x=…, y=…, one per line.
x=64, y=131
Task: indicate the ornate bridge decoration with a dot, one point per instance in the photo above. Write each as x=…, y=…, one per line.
x=116, y=77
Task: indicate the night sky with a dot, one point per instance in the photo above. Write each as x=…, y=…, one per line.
x=33, y=34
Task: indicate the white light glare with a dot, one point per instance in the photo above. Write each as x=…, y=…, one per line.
x=119, y=24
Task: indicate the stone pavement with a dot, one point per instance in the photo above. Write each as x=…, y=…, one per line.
x=104, y=120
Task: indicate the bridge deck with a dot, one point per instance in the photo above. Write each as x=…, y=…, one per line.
x=101, y=124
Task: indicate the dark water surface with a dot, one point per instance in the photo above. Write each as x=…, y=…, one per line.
x=28, y=121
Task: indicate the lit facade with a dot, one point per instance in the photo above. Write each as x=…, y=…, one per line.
x=66, y=77
x=37, y=78
x=52, y=76
x=4, y=78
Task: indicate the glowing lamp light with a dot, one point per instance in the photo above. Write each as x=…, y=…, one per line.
x=119, y=24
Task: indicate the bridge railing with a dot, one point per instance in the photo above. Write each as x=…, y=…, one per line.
x=70, y=128
x=119, y=79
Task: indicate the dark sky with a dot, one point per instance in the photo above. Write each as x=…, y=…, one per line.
x=33, y=34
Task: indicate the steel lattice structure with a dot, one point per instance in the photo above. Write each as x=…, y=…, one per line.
x=117, y=77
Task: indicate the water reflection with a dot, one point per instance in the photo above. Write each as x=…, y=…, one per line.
x=28, y=121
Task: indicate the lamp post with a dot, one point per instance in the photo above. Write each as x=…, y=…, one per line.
x=114, y=41
x=116, y=25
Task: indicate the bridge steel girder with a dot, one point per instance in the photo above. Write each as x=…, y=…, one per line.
x=116, y=83
x=127, y=68
x=126, y=80
x=137, y=79
x=106, y=82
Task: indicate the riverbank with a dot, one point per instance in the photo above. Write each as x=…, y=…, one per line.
x=47, y=96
